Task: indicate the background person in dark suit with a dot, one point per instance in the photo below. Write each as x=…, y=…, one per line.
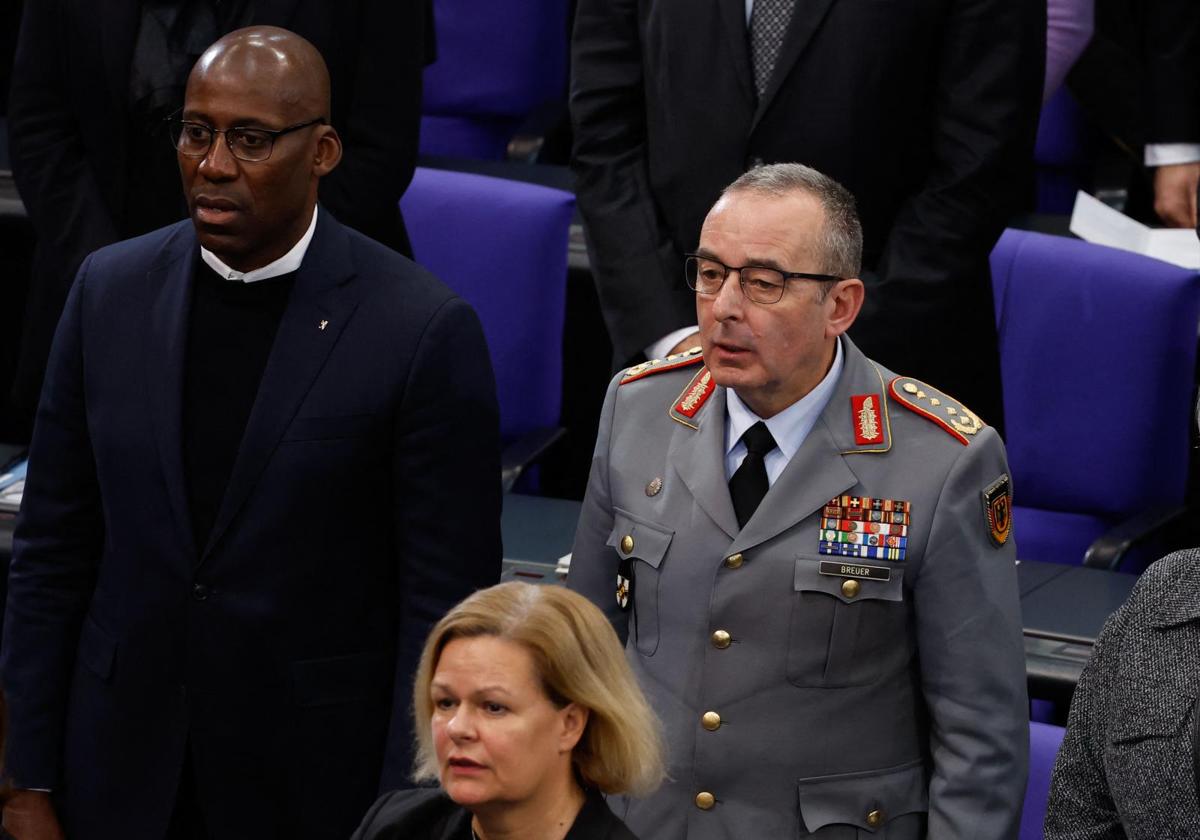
x=1172, y=49
x=925, y=111
x=265, y=462
x=1138, y=82
x=92, y=162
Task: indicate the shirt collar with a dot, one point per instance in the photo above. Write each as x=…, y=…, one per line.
x=791, y=426
x=286, y=264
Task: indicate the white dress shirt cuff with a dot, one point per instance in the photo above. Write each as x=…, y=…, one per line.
x=1169, y=154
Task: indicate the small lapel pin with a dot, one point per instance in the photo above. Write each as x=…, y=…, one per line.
x=322, y=325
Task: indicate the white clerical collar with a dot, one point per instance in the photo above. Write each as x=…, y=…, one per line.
x=791, y=426
x=286, y=264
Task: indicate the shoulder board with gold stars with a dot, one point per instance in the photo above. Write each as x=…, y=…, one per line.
x=674, y=362
x=956, y=419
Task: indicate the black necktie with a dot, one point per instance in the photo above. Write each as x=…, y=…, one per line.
x=769, y=21
x=749, y=484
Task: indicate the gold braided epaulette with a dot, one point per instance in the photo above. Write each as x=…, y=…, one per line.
x=673, y=362
x=953, y=417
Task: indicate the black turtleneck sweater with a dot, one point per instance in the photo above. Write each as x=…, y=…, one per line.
x=230, y=333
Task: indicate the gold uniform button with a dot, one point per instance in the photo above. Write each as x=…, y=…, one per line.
x=710, y=721
x=705, y=800
x=734, y=561
x=721, y=639
x=850, y=589
x=875, y=818
x=626, y=544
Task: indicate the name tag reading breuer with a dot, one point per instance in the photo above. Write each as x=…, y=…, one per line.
x=855, y=571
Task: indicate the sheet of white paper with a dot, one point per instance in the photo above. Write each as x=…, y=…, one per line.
x=1174, y=245
x=1094, y=221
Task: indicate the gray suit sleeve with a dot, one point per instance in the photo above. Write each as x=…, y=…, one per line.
x=593, y=563
x=972, y=658
x=639, y=274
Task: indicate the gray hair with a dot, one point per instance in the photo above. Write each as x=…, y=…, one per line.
x=841, y=236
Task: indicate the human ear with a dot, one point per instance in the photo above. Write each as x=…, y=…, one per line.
x=844, y=301
x=329, y=151
x=573, y=719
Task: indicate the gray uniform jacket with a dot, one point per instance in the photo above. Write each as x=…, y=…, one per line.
x=802, y=693
x=1127, y=763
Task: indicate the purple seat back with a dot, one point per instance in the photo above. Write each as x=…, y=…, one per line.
x=1044, y=741
x=497, y=60
x=1097, y=356
x=502, y=245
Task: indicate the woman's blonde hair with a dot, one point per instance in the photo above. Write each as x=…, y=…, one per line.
x=579, y=659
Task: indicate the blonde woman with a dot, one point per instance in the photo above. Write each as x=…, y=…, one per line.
x=526, y=714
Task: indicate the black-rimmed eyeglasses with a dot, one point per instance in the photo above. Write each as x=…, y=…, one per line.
x=760, y=284
x=194, y=139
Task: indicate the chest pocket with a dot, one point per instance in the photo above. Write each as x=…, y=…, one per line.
x=642, y=546
x=1151, y=745
x=845, y=629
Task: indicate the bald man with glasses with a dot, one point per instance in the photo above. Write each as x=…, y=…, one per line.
x=265, y=461
x=809, y=557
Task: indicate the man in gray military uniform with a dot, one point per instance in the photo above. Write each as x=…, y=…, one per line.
x=810, y=556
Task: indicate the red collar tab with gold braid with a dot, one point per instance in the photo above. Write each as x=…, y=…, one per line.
x=678, y=360
x=696, y=394
x=868, y=421
x=693, y=398
x=956, y=419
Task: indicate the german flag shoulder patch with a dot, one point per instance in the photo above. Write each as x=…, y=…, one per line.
x=949, y=414
x=674, y=362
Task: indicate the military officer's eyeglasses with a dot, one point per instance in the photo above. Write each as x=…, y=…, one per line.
x=194, y=139
x=706, y=276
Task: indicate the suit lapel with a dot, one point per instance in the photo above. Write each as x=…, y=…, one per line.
x=170, y=295
x=321, y=294
x=699, y=457
x=733, y=21
x=805, y=20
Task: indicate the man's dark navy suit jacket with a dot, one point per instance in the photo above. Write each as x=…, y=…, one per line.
x=363, y=503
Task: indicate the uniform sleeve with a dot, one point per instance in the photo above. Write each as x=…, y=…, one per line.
x=593, y=562
x=1080, y=805
x=639, y=276
x=56, y=549
x=446, y=477
x=972, y=658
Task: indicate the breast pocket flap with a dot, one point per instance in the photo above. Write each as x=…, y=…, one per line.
x=866, y=800
x=1162, y=718
x=849, y=581
x=638, y=538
